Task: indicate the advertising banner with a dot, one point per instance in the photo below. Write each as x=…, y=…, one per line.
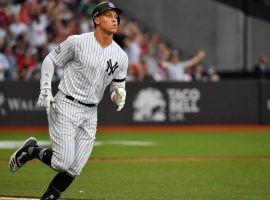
x=265, y=103
x=18, y=104
x=232, y=102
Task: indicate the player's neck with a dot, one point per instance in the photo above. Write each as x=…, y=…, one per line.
x=102, y=38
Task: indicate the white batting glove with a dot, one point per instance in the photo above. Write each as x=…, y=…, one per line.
x=45, y=99
x=119, y=97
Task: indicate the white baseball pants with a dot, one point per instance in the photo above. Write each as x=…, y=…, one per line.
x=72, y=129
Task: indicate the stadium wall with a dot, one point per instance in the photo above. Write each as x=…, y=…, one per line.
x=170, y=103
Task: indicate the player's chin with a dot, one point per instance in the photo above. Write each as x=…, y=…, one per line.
x=114, y=31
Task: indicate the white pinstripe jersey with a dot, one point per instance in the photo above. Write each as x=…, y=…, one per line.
x=89, y=68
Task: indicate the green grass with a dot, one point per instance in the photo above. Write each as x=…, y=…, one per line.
x=159, y=180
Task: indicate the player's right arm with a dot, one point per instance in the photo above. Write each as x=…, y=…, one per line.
x=58, y=57
x=45, y=97
x=64, y=52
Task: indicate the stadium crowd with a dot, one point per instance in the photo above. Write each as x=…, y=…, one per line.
x=30, y=29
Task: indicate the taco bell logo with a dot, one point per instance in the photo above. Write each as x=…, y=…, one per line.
x=183, y=101
x=149, y=105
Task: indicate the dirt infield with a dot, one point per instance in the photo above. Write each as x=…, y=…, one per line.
x=15, y=198
x=169, y=159
x=152, y=128
x=30, y=198
x=196, y=128
x=178, y=159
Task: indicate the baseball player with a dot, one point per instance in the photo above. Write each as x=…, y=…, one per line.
x=91, y=62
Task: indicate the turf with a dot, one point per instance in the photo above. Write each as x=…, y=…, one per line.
x=129, y=178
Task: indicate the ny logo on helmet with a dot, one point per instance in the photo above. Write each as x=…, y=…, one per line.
x=111, y=5
x=111, y=68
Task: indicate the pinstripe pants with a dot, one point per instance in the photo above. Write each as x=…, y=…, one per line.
x=72, y=129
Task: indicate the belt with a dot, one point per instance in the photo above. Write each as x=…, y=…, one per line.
x=85, y=104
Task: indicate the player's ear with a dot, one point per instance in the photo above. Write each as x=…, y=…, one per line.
x=97, y=20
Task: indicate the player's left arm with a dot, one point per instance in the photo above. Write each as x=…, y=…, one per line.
x=118, y=84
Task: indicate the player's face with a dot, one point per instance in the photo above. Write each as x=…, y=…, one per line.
x=108, y=21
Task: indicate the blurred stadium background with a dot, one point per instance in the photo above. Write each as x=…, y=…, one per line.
x=199, y=133
x=222, y=46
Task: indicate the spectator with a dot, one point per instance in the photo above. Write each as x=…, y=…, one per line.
x=21, y=46
x=27, y=64
x=161, y=73
x=4, y=66
x=134, y=54
x=9, y=53
x=38, y=32
x=152, y=66
x=17, y=27
x=134, y=50
x=163, y=51
x=212, y=76
x=153, y=45
x=24, y=13
x=85, y=25
x=3, y=32
x=30, y=29
x=176, y=68
x=197, y=73
x=132, y=75
x=145, y=74
x=261, y=68
x=143, y=43
x=4, y=18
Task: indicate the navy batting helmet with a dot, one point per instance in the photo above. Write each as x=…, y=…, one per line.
x=103, y=7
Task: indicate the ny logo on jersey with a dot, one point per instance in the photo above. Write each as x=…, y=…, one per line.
x=111, y=68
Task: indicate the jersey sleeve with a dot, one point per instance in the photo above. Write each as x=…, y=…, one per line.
x=64, y=52
x=119, y=79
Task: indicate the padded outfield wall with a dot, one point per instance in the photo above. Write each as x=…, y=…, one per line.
x=172, y=103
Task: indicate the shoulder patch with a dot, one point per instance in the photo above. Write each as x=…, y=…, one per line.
x=58, y=49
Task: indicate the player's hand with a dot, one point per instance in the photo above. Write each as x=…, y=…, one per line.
x=119, y=96
x=45, y=99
